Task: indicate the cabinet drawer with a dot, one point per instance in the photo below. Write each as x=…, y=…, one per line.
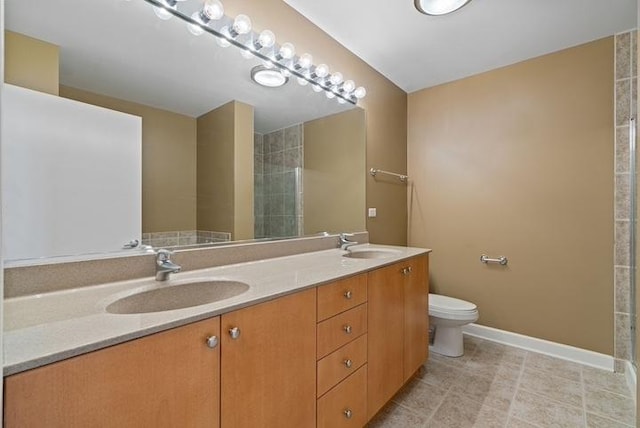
x=346, y=404
x=341, y=363
x=341, y=329
x=341, y=296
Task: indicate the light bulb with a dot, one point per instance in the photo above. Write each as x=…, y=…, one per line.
x=316, y=88
x=222, y=41
x=196, y=29
x=348, y=86
x=360, y=92
x=322, y=70
x=213, y=9
x=336, y=78
x=241, y=25
x=305, y=61
x=303, y=82
x=287, y=51
x=266, y=39
x=330, y=94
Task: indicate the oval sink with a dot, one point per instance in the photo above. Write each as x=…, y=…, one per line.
x=177, y=297
x=371, y=254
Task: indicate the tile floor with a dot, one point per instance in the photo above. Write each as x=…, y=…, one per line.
x=494, y=385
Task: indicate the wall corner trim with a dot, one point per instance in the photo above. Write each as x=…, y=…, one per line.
x=553, y=349
x=631, y=377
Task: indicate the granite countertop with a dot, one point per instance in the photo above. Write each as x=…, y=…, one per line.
x=45, y=328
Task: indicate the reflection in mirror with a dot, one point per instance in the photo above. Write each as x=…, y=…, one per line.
x=222, y=158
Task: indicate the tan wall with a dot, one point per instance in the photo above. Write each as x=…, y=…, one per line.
x=243, y=172
x=215, y=169
x=168, y=162
x=385, y=105
x=31, y=63
x=518, y=162
x=334, y=173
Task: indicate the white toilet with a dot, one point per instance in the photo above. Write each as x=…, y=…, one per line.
x=447, y=316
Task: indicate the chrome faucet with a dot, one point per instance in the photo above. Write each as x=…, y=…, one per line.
x=164, y=265
x=345, y=243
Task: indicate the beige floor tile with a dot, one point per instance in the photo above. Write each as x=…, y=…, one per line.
x=554, y=387
x=602, y=379
x=554, y=366
x=420, y=397
x=439, y=374
x=496, y=392
x=544, y=412
x=458, y=362
x=484, y=366
x=517, y=423
x=455, y=411
x=395, y=416
x=490, y=418
x=595, y=421
x=610, y=405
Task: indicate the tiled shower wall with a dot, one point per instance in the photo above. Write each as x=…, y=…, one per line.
x=278, y=165
x=625, y=108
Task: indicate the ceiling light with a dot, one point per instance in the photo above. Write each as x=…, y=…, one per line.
x=439, y=7
x=268, y=77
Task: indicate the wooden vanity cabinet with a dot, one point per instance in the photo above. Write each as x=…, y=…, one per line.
x=398, y=339
x=269, y=364
x=169, y=379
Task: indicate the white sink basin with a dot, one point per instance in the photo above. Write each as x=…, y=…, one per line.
x=371, y=254
x=177, y=297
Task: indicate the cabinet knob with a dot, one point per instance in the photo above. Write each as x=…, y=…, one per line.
x=348, y=363
x=406, y=270
x=348, y=413
x=212, y=341
x=348, y=294
x=347, y=329
x=234, y=333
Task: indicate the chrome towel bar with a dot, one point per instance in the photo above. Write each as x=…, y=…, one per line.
x=486, y=259
x=402, y=177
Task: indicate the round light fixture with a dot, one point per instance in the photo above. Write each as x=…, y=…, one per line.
x=439, y=7
x=269, y=77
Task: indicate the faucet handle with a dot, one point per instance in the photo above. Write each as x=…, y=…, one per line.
x=163, y=254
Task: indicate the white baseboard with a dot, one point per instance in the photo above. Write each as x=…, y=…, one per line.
x=558, y=350
x=631, y=376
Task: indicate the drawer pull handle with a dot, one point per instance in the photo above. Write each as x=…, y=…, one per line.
x=348, y=413
x=212, y=341
x=348, y=363
x=347, y=329
x=348, y=294
x=234, y=333
x=406, y=270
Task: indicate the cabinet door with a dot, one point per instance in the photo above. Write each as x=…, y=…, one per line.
x=416, y=319
x=386, y=335
x=269, y=365
x=168, y=379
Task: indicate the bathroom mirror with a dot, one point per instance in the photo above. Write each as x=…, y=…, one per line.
x=119, y=55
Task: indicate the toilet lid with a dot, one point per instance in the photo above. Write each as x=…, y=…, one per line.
x=444, y=303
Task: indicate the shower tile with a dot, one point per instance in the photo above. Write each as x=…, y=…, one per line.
x=622, y=197
x=276, y=205
x=258, y=206
x=292, y=136
x=257, y=143
x=623, y=336
x=277, y=184
x=634, y=97
x=258, y=167
x=622, y=149
x=289, y=207
x=290, y=225
x=623, y=101
x=634, y=53
x=622, y=293
x=623, y=56
x=289, y=185
x=276, y=141
x=621, y=255
x=292, y=157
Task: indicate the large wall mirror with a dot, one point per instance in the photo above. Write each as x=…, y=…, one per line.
x=220, y=157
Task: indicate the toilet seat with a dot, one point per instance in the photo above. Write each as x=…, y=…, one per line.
x=451, y=308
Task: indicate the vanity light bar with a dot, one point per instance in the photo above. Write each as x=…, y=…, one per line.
x=230, y=31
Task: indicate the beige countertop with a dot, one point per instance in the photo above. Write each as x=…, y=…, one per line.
x=45, y=328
